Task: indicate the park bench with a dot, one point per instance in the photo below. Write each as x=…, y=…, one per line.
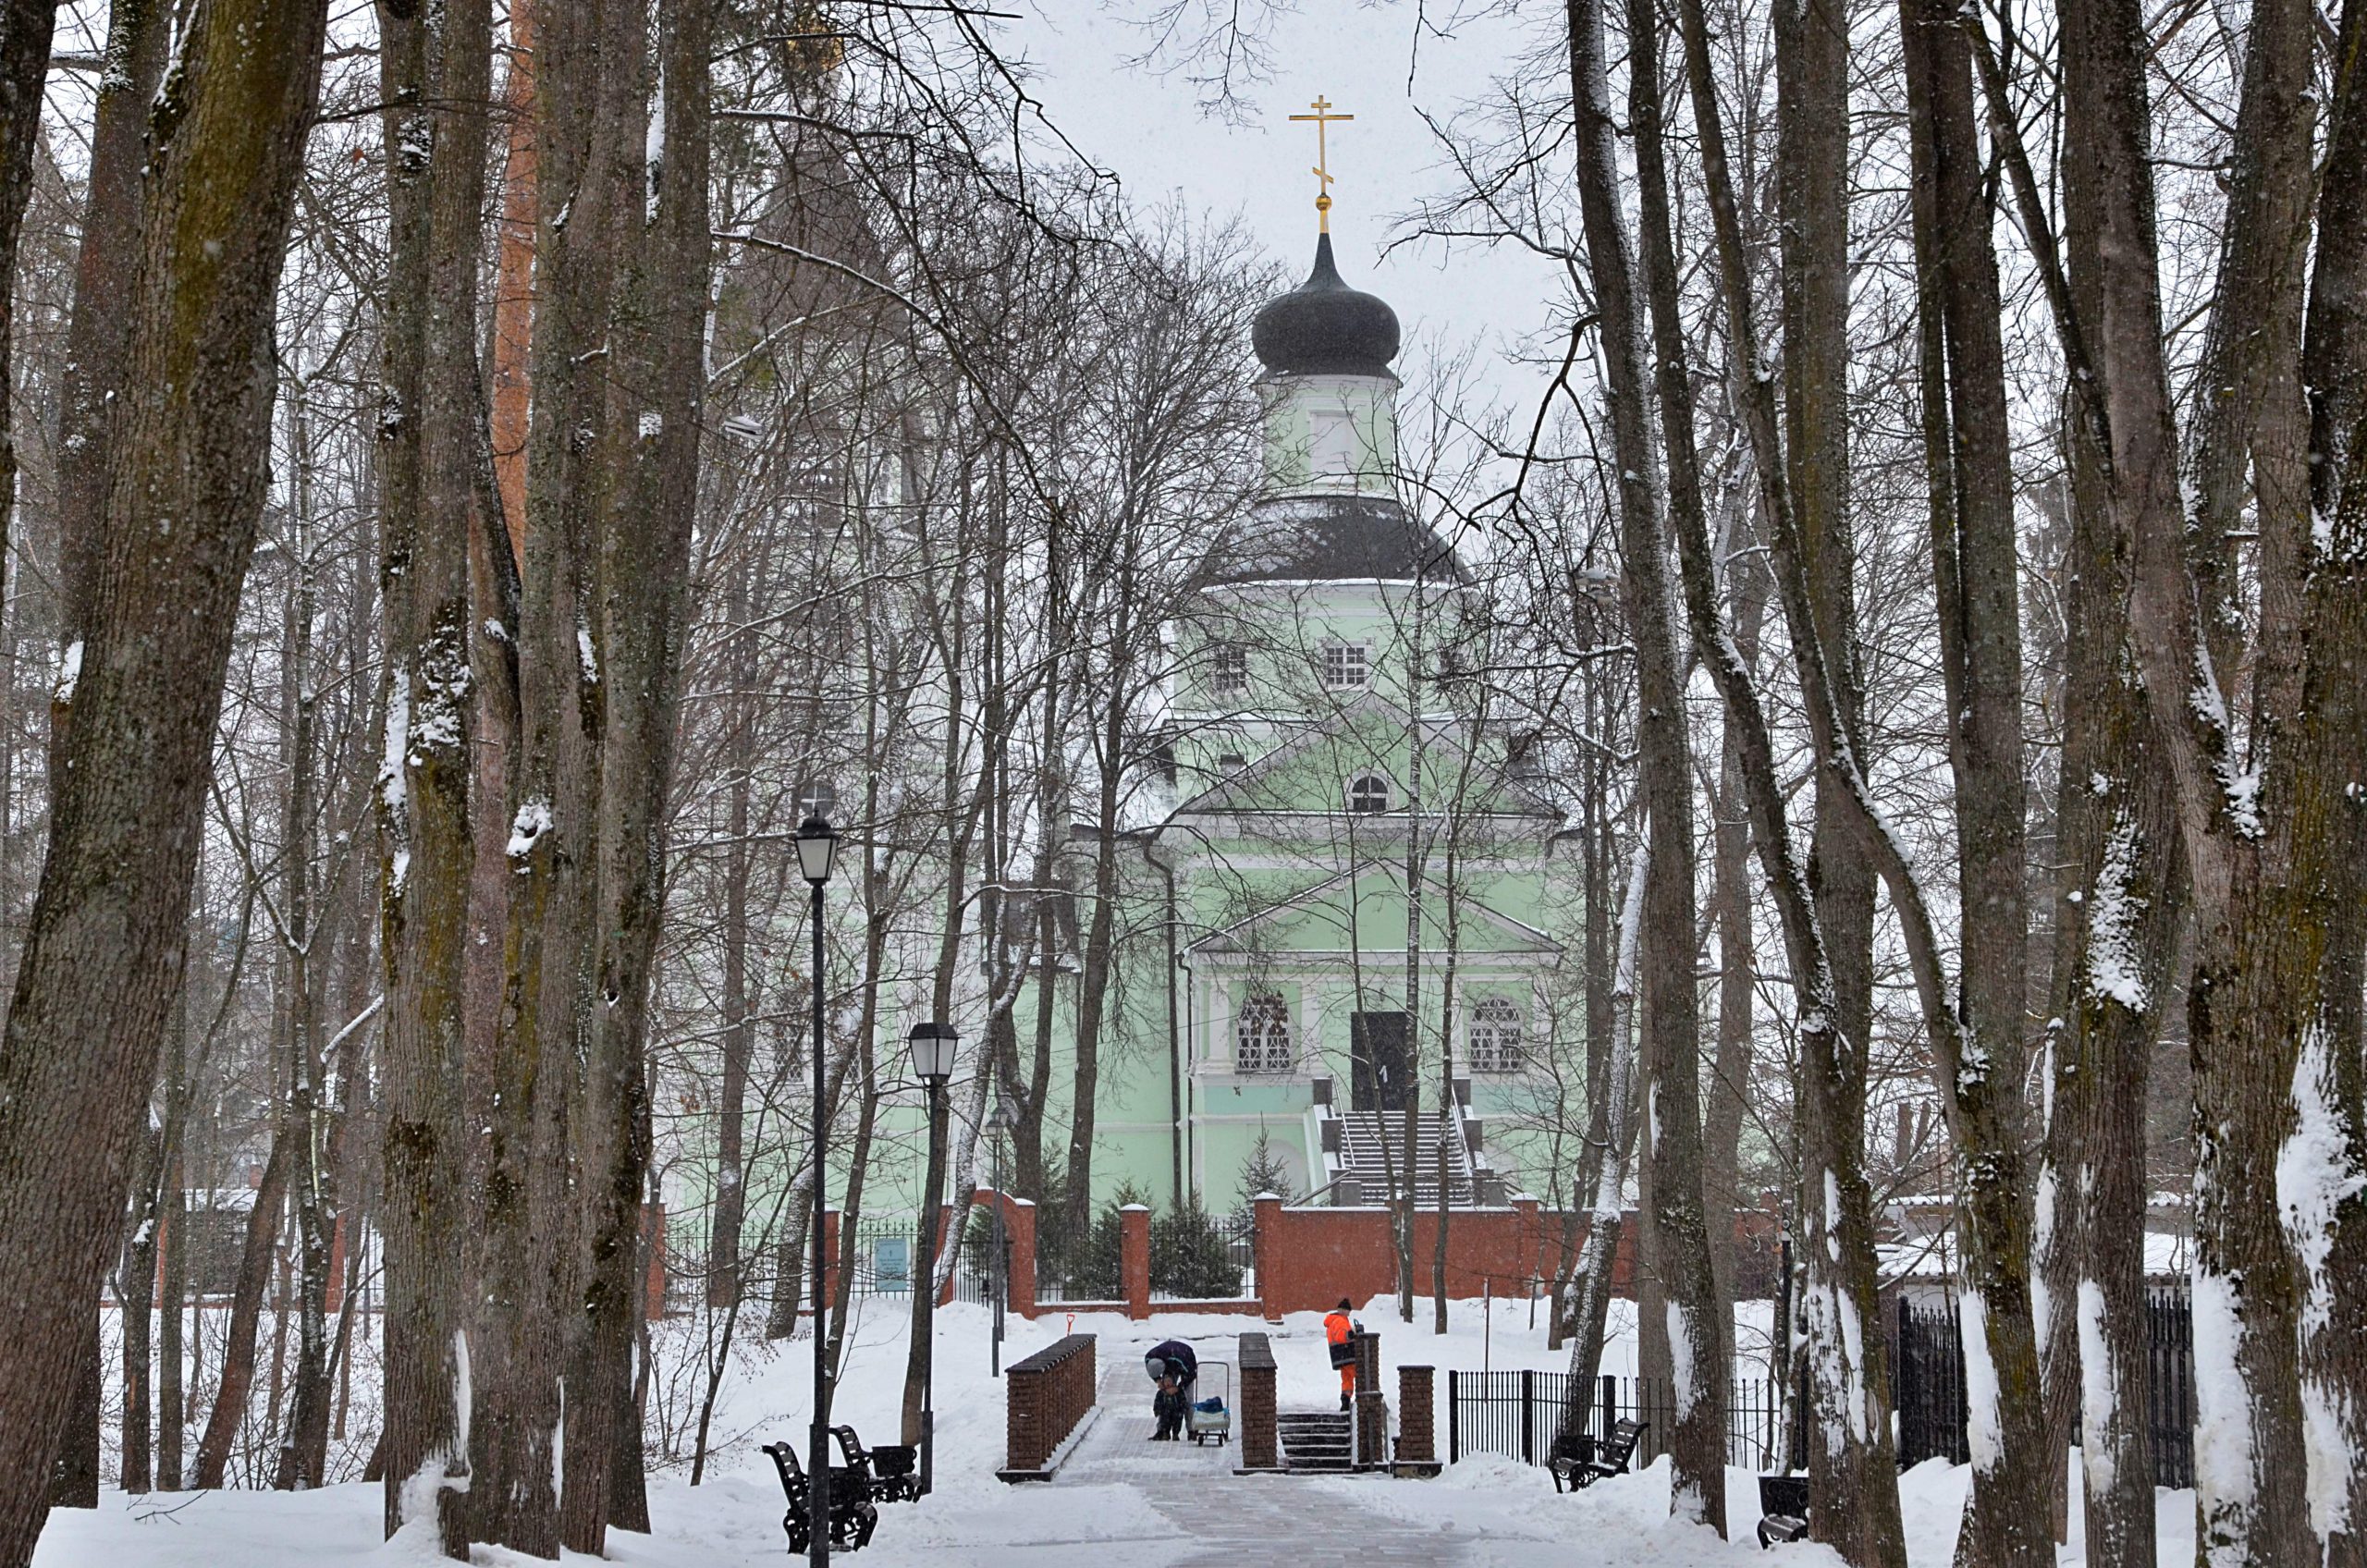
x=852, y=1517
x=888, y=1473
x=1577, y=1461
x=1783, y=1509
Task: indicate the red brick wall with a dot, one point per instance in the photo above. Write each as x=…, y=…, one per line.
x=1308, y=1258
x=1019, y=1225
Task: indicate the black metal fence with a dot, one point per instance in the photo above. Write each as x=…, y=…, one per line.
x=1927, y=1351
x=1927, y=1385
x=975, y=1281
x=1517, y=1414
x=2169, y=1392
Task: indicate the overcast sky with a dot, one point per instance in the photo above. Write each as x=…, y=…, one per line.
x=1154, y=134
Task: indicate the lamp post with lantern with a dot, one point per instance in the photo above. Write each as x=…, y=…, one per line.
x=818, y=848
x=933, y=1046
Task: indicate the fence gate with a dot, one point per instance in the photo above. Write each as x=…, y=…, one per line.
x=1928, y=1355
x=1518, y=1415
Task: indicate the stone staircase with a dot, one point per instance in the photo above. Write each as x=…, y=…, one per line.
x=1373, y=1142
x=1315, y=1442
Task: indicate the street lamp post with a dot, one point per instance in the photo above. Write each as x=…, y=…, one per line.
x=933, y=1048
x=1004, y=1116
x=817, y=847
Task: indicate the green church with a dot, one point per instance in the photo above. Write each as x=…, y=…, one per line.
x=1344, y=970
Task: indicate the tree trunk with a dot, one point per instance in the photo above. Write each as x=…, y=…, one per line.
x=1611, y=1126
x=186, y=488
x=724, y=1285
x=25, y=31
x=426, y=448
x=100, y=334
x=1975, y=565
x=1738, y=958
x=310, y=1111
x=74, y=1482
x=1853, y=1503
x=172, y=1258
x=255, y=1258
x=642, y=584
x=2266, y=845
x=139, y=1298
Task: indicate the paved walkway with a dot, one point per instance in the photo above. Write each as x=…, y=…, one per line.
x=1237, y=1521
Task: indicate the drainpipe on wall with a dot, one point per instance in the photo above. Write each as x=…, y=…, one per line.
x=1175, y=1080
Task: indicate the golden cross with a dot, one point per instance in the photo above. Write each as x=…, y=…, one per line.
x=1322, y=117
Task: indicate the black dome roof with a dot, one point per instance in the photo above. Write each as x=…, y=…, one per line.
x=1324, y=327
x=1332, y=539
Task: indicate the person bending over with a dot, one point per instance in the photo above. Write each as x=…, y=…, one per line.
x=1173, y=1367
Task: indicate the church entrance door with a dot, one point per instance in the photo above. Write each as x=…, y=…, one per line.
x=1381, y=1062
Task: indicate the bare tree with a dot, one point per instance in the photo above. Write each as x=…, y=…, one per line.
x=94, y=991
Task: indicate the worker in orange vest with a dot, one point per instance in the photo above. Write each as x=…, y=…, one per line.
x=1337, y=1327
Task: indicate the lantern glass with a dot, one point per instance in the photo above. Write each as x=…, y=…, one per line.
x=817, y=847
x=933, y=1046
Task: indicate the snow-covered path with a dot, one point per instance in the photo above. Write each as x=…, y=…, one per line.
x=1119, y=1503
x=1236, y=1520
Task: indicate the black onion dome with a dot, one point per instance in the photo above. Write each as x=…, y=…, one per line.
x=1324, y=327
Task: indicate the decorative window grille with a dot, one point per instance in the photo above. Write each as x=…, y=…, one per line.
x=1368, y=792
x=1347, y=667
x=1495, y=1038
x=1262, y=1036
x=1229, y=671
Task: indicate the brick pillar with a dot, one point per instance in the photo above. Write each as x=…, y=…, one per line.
x=1133, y=1259
x=1259, y=1446
x=1265, y=1244
x=1019, y=1224
x=1417, y=1438
x=653, y=1240
x=1372, y=1406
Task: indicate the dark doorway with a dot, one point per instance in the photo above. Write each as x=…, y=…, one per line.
x=1382, y=1064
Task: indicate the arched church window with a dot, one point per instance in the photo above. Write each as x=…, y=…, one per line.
x=817, y=797
x=1346, y=666
x=1261, y=1041
x=1368, y=792
x=1495, y=1038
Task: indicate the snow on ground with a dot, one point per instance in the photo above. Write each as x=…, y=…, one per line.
x=1118, y=1502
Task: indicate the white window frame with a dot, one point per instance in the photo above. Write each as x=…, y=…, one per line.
x=1347, y=667
x=1229, y=671
x=1494, y=1037
x=1262, y=1042
x=1369, y=795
